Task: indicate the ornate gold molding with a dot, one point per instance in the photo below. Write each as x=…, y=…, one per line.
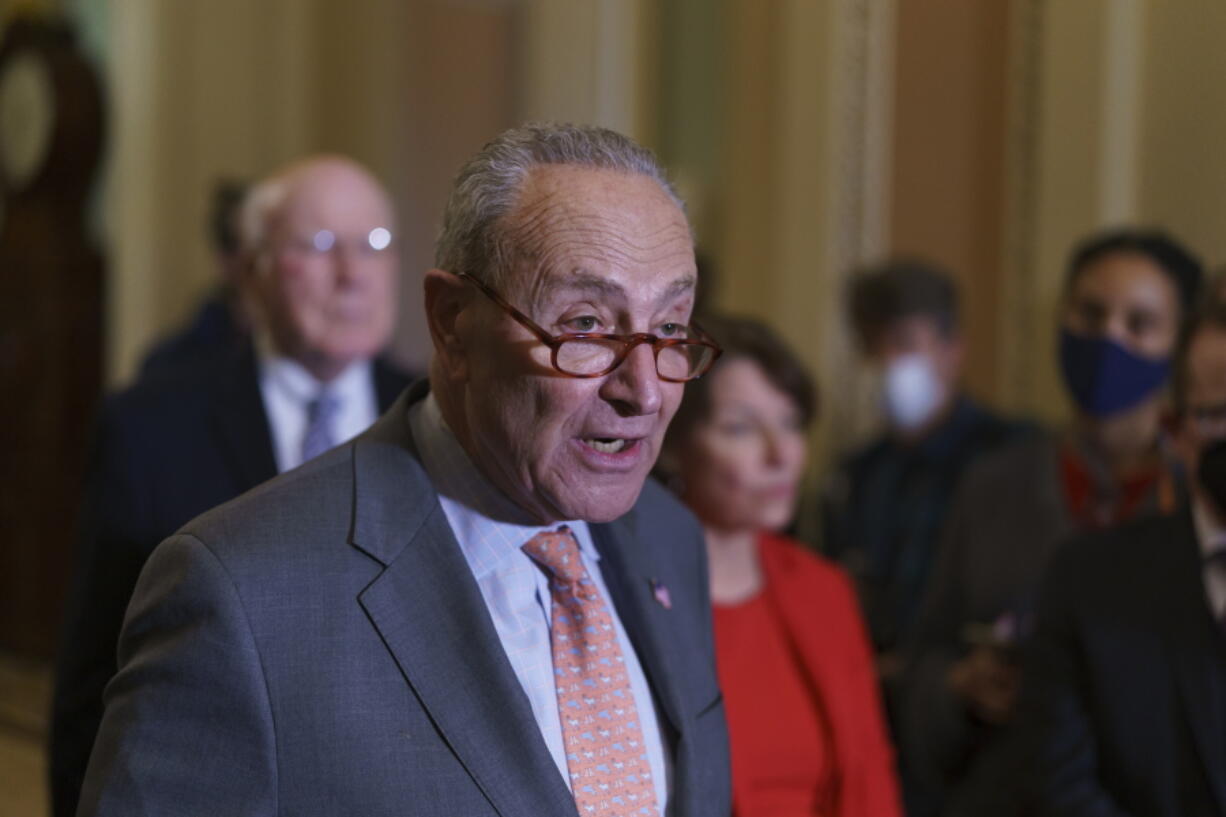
x=1021, y=315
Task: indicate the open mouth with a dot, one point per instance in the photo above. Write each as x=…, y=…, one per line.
x=607, y=445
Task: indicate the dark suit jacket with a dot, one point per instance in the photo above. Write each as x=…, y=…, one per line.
x=320, y=646
x=1006, y=520
x=1125, y=685
x=211, y=335
x=885, y=507
x=167, y=449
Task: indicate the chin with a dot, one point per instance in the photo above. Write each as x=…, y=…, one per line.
x=774, y=521
x=348, y=353
x=601, y=507
x=734, y=517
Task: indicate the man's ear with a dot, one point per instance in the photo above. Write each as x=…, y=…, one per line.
x=445, y=297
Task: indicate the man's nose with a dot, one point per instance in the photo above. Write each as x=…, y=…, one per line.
x=634, y=387
x=349, y=262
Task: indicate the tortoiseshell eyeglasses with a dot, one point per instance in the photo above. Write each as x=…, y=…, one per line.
x=593, y=354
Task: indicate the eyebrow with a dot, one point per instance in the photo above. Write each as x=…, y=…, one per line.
x=584, y=281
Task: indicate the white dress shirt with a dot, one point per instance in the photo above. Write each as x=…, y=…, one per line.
x=491, y=531
x=1211, y=535
x=287, y=389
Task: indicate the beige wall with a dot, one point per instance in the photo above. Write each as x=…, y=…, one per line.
x=184, y=111
x=588, y=61
x=805, y=168
x=410, y=88
x=689, y=123
x=775, y=119
x=809, y=137
x=232, y=87
x=947, y=192
x=1077, y=160
x=1182, y=181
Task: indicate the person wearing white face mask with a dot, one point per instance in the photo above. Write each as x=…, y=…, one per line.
x=884, y=507
x=912, y=392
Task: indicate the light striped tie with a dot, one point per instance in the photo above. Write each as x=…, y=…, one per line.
x=321, y=418
x=605, y=754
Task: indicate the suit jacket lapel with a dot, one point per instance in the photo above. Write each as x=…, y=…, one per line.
x=241, y=423
x=1196, y=650
x=431, y=615
x=389, y=383
x=629, y=568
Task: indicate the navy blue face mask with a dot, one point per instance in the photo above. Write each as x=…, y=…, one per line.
x=1104, y=377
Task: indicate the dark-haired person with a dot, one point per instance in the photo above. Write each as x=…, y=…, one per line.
x=1125, y=678
x=884, y=508
x=1125, y=295
x=219, y=327
x=800, y=692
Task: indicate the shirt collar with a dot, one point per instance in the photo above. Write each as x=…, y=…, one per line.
x=292, y=379
x=488, y=525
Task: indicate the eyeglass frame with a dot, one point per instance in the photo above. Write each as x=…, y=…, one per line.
x=628, y=342
x=324, y=242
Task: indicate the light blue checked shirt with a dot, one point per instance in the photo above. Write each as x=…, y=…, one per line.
x=516, y=589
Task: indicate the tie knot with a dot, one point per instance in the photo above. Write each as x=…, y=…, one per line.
x=323, y=407
x=558, y=552
x=320, y=434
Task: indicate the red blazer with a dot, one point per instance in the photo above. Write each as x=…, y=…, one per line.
x=818, y=606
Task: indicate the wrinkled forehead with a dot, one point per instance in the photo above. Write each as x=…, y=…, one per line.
x=605, y=231
x=338, y=198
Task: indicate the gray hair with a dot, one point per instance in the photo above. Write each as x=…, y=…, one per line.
x=473, y=238
x=261, y=204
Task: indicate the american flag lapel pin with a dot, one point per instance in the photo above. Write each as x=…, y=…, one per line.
x=660, y=592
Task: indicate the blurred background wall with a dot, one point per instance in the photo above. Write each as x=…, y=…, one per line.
x=809, y=136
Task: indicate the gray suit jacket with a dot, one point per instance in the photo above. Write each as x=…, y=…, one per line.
x=319, y=646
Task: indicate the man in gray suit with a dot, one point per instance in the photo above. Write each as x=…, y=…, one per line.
x=478, y=607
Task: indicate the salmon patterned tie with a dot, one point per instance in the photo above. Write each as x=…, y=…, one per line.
x=605, y=754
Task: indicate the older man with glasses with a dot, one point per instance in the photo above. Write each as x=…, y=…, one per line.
x=481, y=606
x=318, y=272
